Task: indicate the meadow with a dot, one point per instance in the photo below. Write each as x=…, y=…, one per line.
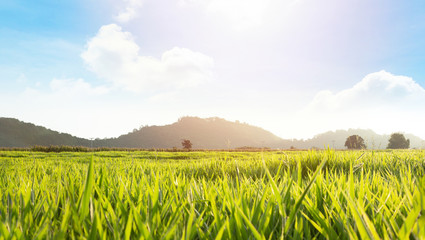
x=213, y=195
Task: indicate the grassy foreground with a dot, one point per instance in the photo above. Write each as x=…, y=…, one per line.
x=213, y=195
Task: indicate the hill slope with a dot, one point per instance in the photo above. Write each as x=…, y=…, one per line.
x=14, y=133
x=209, y=133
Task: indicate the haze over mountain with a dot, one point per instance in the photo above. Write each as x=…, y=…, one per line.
x=208, y=133
x=336, y=139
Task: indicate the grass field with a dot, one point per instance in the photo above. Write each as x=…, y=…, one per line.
x=213, y=195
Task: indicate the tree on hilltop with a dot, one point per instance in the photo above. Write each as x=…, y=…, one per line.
x=398, y=141
x=355, y=142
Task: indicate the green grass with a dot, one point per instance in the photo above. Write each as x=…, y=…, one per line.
x=213, y=195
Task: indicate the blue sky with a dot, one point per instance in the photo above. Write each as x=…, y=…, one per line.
x=294, y=67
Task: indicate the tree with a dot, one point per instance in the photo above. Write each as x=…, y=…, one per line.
x=398, y=141
x=355, y=142
x=186, y=144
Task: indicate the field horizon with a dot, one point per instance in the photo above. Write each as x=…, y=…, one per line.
x=205, y=133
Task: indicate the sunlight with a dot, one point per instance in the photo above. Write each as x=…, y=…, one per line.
x=242, y=14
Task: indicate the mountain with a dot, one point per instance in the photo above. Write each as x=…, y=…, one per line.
x=204, y=133
x=209, y=133
x=337, y=139
x=14, y=133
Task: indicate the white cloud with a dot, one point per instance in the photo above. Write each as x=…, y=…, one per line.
x=130, y=10
x=76, y=86
x=380, y=89
x=114, y=56
x=380, y=101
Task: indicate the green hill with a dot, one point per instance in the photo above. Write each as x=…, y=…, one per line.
x=209, y=133
x=204, y=133
x=14, y=133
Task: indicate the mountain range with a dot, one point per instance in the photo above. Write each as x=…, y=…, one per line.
x=204, y=133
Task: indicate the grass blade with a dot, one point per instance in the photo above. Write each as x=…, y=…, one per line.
x=301, y=198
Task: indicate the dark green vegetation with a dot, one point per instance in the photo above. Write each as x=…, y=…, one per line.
x=14, y=133
x=355, y=142
x=209, y=133
x=213, y=195
x=398, y=141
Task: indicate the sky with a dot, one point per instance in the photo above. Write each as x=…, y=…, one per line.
x=101, y=68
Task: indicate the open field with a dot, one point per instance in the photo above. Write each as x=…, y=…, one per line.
x=213, y=195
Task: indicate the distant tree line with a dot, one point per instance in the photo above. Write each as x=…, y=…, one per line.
x=396, y=141
x=85, y=149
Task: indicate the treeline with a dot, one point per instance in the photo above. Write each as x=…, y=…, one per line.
x=396, y=141
x=105, y=149
x=83, y=149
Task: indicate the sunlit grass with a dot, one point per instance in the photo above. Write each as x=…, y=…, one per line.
x=213, y=195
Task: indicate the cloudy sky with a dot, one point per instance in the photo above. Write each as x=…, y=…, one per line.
x=100, y=68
